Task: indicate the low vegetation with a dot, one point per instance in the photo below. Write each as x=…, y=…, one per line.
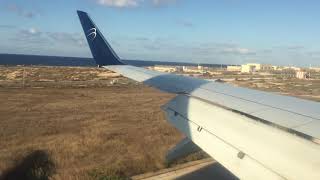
x=89, y=129
x=88, y=123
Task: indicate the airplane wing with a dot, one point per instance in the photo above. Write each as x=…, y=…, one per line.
x=254, y=134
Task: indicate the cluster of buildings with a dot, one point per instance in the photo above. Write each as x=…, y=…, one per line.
x=300, y=73
x=251, y=67
x=184, y=69
x=316, y=69
x=255, y=67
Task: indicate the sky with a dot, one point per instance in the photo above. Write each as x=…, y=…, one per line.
x=285, y=32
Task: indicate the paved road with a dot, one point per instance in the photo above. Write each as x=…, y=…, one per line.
x=204, y=170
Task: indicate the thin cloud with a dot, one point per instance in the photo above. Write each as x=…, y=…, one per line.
x=31, y=32
x=14, y=8
x=35, y=36
x=237, y=50
x=142, y=38
x=7, y=26
x=119, y=3
x=30, y=36
x=210, y=49
x=67, y=38
x=163, y=2
x=185, y=23
x=133, y=3
x=314, y=53
x=296, y=47
x=267, y=51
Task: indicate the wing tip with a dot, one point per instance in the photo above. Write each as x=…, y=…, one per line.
x=81, y=12
x=101, y=50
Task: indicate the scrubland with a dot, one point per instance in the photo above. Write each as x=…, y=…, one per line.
x=89, y=123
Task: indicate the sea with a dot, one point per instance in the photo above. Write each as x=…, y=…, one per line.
x=36, y=60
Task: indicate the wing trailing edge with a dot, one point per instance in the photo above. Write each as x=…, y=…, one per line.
x=184, y=148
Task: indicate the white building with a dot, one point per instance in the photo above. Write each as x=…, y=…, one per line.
x=276, y=68
x=234, y=68
x=261, y=67
x=254, y=67
x=295, y=68
x=301, y=75
x=193, y=69
x=165, y=68
x=248, y=68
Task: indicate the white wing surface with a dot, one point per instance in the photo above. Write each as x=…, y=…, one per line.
x=254, y=134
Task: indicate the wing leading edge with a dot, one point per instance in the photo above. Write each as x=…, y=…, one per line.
x=259, y=128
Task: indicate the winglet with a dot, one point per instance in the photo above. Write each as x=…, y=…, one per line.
x=101, y=50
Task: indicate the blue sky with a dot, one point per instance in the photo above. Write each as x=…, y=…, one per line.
x=285, y=32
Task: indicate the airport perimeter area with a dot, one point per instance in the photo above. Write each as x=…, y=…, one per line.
x=89, y=123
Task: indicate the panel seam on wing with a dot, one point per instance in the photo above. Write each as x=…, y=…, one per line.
x=260, y=103
x=238, y=149
x=263, y=121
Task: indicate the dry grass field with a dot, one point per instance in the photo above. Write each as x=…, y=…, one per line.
x=82, y=128
x=88, y=123
x=305, y=89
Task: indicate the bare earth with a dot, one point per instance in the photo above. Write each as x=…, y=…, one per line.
x=88, y=123
x=98, y=131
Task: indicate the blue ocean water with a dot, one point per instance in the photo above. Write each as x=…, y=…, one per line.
x=15, y=59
